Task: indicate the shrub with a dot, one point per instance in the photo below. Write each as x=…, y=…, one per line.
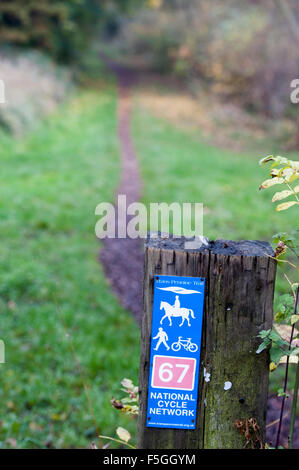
x=241, y=49
x=34, y=86
x=60, y=28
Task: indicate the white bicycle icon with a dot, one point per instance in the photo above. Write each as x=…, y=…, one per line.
x=185, y=343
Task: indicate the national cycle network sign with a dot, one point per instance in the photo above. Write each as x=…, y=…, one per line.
x=175, y=352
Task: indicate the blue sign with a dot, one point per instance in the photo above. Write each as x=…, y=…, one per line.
x=175, y=352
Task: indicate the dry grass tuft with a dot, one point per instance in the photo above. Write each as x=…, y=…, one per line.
x=33, y=88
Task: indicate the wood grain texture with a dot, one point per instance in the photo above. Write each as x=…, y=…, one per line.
x=238, y=304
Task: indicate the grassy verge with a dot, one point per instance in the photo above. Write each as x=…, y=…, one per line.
x=51, y=184
x=179, y=166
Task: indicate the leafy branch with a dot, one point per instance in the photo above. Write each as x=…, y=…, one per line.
x=287, y=174
x=129, y=405
x=284, y=171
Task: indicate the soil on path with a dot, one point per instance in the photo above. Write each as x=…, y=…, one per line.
x=122, y=258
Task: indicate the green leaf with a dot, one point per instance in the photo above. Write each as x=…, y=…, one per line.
x=286, y=238
x=277, y=339
x=281, y=393
x=264, y=333
x=128, y=400
x=285, y=308
x=262, y=347
x=276, y=353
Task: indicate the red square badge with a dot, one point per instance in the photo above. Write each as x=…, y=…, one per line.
x=173, y=372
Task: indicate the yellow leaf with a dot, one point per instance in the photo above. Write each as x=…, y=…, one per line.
x=123, y=434
x=271, y=182
x=285, y=205
x=58, y=417
x=294, y=319
x=267, y=159
x=281, y=195
x=288, y=173
x=293, y=177
x=272, y=366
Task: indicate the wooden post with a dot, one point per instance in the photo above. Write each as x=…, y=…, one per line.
x=238, y=304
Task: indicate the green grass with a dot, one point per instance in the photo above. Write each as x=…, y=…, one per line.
x=180, y=167
x=51, y=183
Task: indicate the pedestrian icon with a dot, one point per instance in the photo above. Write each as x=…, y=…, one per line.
x=162, y=335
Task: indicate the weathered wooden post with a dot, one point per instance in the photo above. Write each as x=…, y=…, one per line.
x=238, y=303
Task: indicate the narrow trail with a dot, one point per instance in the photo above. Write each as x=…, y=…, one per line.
x=122, y=258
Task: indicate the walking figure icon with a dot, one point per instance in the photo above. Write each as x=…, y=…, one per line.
x=185, y=343
x=162, y=335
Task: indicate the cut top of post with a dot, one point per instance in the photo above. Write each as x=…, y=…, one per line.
x=217, y=247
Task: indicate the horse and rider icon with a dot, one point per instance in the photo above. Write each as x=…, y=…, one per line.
x=176, y=311
x=177, y=345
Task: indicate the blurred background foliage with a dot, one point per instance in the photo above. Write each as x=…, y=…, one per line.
x=233, y=46
x=242, y=52
x=34, y=35
x=212, y=99
x=48, y=25
x=61, y=28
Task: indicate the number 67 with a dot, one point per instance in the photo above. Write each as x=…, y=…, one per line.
x=166, y=374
